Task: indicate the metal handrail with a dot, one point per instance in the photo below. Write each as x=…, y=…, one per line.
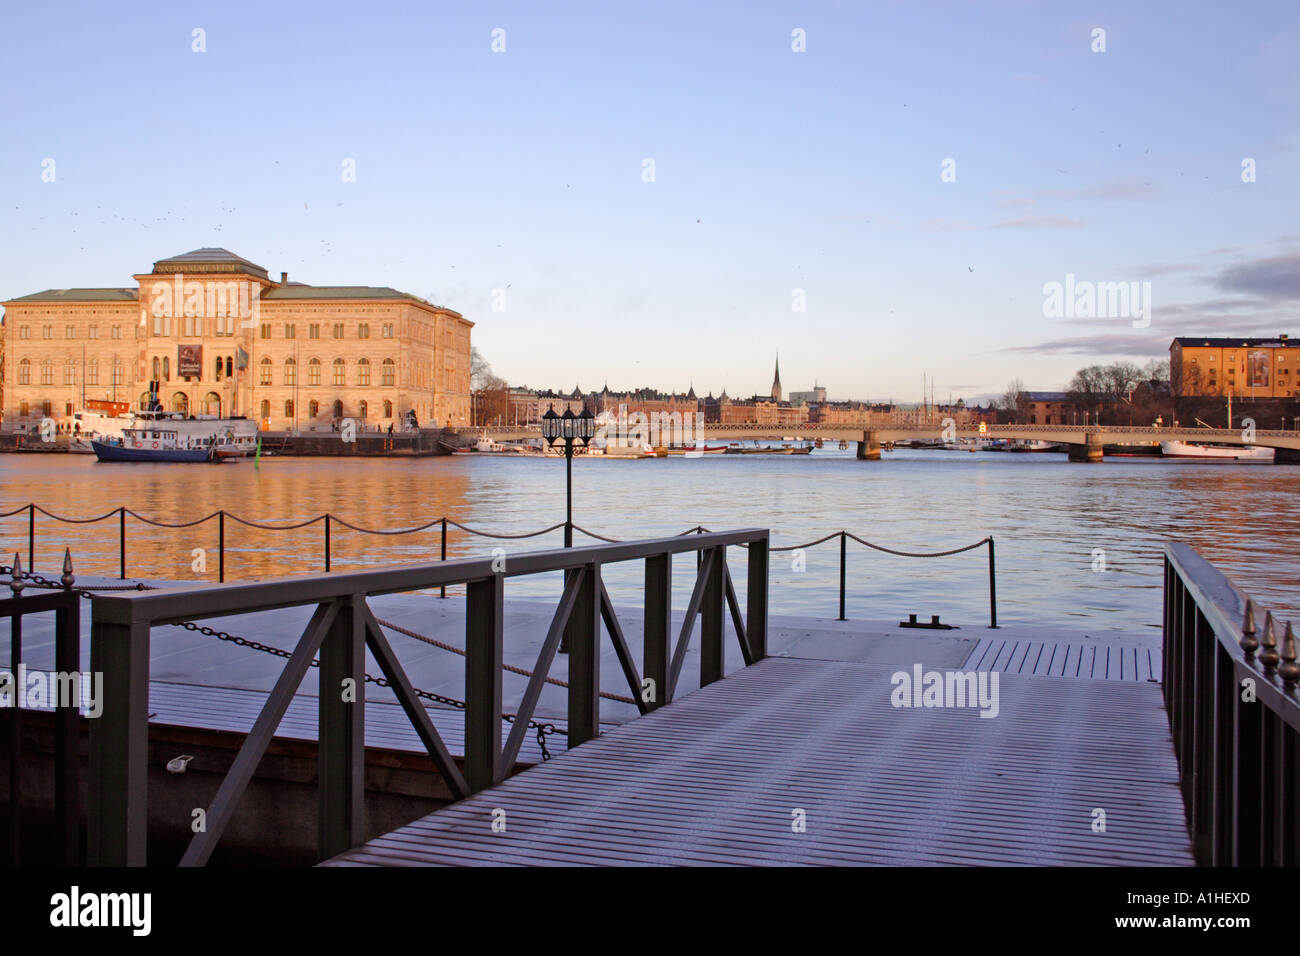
x=1230, y=689
x=343, y=628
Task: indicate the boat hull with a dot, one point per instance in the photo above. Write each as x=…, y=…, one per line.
x=119, y=453
x=1246, y=454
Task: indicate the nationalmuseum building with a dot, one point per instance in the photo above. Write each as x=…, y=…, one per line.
x=208, y=332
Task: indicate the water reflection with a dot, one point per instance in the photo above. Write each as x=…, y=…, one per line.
x=1050, y=519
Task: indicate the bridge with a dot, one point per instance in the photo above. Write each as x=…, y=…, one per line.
x=1085, y=441
x=790, y=759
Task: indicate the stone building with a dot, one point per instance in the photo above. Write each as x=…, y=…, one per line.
x=1244, y=367
x=209, y=332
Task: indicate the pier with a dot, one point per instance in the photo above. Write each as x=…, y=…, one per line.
x=779, y=743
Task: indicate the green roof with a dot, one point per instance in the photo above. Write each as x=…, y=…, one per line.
x=81, y=295
x=210, y=259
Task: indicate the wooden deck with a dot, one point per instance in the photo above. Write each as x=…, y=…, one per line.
x=1096, y=660
x=718, y=777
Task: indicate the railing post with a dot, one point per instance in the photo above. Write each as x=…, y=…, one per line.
x=121, y=542
x=712, y=656
x=843, y=555
x=67, y=735
x=484, y=655
x=583, y=633
x=443, y=590
x=16, y=727
x=756, y=598
x=341, y=750
x=993, y=588
x=658, y=626
x=118, y=787
x=31, y=538
x=327, y=542
x=221, y=547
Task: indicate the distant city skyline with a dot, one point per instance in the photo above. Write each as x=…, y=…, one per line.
x=913, y=190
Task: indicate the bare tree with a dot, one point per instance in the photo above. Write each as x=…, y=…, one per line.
x=1014, y=401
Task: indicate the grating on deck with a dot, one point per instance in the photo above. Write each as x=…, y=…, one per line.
x=716, y=777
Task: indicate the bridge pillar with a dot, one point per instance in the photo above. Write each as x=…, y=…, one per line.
x=1090, y=450
x=869, y=447
x=1286, y=456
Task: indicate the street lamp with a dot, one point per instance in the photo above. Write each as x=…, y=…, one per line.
x=568, y=428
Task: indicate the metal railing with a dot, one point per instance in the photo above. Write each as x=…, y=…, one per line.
x=342, y=628
x=66, y=605
x=329, y=522
x=1230, y=690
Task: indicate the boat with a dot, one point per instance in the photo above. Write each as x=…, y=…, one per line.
x=487, y=446
x=1242, y=454
x=233, y=437
x=156, y=442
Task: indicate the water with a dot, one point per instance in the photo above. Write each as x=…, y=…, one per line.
x=1049, y=519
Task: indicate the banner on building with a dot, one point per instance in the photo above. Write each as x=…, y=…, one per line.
x=241, y=359
x=1257, y=369
x=189, y=361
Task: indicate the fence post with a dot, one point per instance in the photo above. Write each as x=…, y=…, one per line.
x=443, y=590
x=756, y=598
x=121, y=542
x=484, y=656
x=583, y=633
x=67, y=751
x=712, y=607
x=993, y=588
x=658, y=624
x=340, y=778
x=843, y=553
x=221, y=547
x=118, y=792
x=327, y=542
x=31, y=538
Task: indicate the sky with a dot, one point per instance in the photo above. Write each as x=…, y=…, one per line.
x=670, y=194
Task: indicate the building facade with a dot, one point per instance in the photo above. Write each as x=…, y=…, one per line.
x=209, y=332
x=1244, y=368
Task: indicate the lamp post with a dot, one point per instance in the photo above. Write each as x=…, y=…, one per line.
x=568, y=428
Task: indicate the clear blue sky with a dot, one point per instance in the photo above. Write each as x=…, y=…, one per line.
x=774, y=170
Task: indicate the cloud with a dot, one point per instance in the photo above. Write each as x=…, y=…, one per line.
x=1148, y=272
x=1274, y=279
x=1132, y=187
x=1109, y=343
x=1041, y=222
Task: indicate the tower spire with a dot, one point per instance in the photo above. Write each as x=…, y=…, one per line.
x=776, y=380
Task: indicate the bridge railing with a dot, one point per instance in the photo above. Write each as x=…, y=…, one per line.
x=343, y=628
x=1230, y=690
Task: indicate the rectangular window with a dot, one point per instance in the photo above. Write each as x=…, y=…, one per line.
x=69, y=374
x=338, y=330
x=47, y=331
x=339, y=378
x=25, y=332
x=92, y=372
x=47, y=374
x=313, y=373
x=290, y=331
x=266, y=330
x=313, y=330
x=92, y=332
x=264, y=374
x=363, y=330
x=117, y=372
x=69, y=331
x=117, y=331
x=388, y=330
x=290, y=374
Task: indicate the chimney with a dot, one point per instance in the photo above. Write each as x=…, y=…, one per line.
x=1282, y=336
x=284, y=278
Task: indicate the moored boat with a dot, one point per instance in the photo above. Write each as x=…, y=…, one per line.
x=1242, y=454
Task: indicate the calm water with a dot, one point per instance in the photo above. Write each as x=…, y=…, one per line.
x=1047, y=516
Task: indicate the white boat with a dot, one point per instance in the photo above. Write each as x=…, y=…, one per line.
x=1242, y=454
x=232, y=437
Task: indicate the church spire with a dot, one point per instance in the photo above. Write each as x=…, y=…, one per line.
x=776, y=381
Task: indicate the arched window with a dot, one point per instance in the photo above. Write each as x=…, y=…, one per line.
x=25, y=372
x=220, y=367
x=229, y=365
x=167, y=368
x=313, y=409
x=363, y=371
x=47, y=372
x=181, y=403
x=212, y=404
x=388, y=409
x=313, y=372
x=388, y=373
x=290, y=372
x=288, y=409
x=338, y=408
x=264, y=411
x=339, y=377
x=363, y=409
x=69, y=372
x=264, y=373
x=145, y=399
x=157, y=369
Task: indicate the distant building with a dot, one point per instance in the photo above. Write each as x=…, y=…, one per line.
x=1046, y=408
x=816, y=397
x=209, y=332
x=1242, y=367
